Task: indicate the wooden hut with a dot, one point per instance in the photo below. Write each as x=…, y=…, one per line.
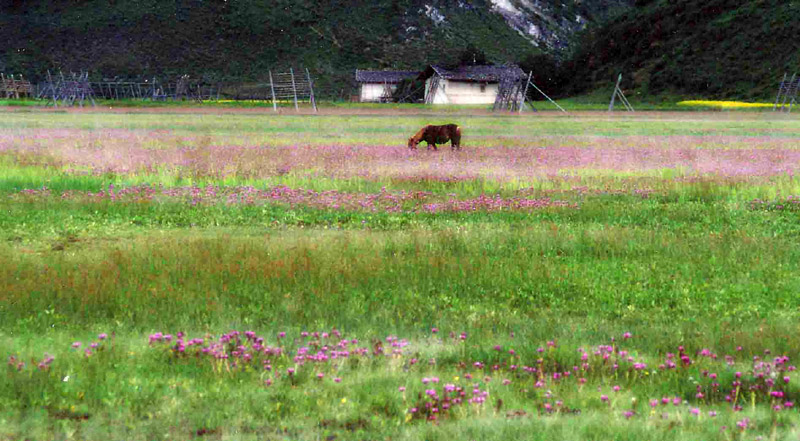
x=379, y=85
x=467, y=84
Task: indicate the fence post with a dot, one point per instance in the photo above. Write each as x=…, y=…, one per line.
x=311, y=89
x=545, y=95
x=794, y=88
x=780, y=90
x=788, y=90
x=614, y=94
x=272, y=87
x=525, y=92
x=294, y=89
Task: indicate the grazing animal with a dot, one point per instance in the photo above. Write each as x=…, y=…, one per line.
x=437, y=135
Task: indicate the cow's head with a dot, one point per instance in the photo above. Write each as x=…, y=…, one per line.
x=412, y=143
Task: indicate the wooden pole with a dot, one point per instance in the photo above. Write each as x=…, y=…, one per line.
x=50, y=85
x=780, y=89
x=793, y=90
x=433, y=89
x=525, y=92
x=624, y=100
x=614, y=94
x=786, y=95
x=272, y=87
x=311, y=89
x=545, y=95
x=294, y=89
x=89, y=90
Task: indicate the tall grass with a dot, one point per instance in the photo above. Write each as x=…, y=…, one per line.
x=355, y=279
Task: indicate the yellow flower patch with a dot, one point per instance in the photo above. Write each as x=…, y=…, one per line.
x=724, y=104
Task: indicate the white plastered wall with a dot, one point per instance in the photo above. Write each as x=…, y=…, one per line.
x=371, y=92
x=463, y=92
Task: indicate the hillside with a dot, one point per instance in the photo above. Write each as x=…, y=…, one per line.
x=239, y=40
x=710, y=49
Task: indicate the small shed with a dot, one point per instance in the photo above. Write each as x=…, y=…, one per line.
x=379, y=85
x=468, y=84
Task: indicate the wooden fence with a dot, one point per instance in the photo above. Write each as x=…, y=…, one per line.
x=12, y=87
x=293, y=87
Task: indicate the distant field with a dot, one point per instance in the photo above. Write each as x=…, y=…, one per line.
x=595, y=101
x=236, y=274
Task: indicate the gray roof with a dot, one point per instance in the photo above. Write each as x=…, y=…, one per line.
x=384, y=76
x=488, y=73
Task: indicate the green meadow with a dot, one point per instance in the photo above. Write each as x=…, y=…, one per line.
x=218, y=273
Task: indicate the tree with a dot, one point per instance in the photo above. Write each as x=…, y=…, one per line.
x=546, y=73
x=472, y=56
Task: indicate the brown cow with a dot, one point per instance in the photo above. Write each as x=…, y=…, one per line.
x=437, y=135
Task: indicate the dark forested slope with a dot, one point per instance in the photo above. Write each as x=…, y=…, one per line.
x=706, y=48
x=240, y=39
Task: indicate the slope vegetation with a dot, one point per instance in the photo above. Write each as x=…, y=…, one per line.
x=706, y=48
x=240, y=40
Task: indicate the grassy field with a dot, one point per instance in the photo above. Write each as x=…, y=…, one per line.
x=210, y=273
x=595, y=101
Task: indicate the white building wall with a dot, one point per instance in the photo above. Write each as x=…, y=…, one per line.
x=372, y=92
x=463, y=92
